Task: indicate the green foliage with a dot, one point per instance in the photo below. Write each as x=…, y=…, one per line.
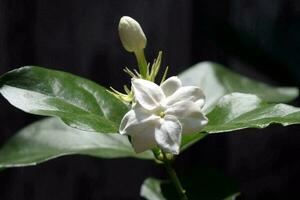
x=233, y=196
x=50, y=138
x=151, y=189
x=217, y=81
x=238, y=111
x=236, y=102
x=233, y=102
x=80, y=103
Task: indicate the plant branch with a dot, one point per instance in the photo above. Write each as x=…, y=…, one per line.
x=142, y=63
x=174, y=177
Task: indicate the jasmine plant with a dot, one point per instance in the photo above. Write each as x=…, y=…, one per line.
x=151, y=119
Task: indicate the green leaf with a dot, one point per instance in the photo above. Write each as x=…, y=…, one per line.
x=217, y=81
x=204, y=183
x=80, y=103
x=151, y=189
x=50, y=138
x=233, y=196
x=238, y=111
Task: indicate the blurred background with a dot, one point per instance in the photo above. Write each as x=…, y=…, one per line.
x=257, y=38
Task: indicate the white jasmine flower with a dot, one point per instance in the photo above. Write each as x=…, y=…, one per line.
x=162, y=113
x=131, y=34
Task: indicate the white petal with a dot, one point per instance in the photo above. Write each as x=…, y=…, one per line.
x=143, y=134
x=127, y=120
x=183, y=109
x=134, y=121
x=168, y=135
x=141, y=126
x=147, y=93
x=144, y=140
x=189, y=114
x=187, y=93
x=170, y=85
x=192, y=125
x=200, y=103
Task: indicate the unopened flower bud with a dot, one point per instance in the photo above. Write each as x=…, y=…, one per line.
x=131, y=34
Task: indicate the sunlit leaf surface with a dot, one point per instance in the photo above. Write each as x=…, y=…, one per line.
x=80, y=103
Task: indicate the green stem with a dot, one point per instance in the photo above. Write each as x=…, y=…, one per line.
x=142, y=63
x=174, y=178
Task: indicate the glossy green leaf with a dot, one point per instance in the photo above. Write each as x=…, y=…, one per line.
x=202, y=183
x=238, y=111
x=217, y=81
x=80, y=103
x=50, y=138
x=151, y=189
x=233, y=196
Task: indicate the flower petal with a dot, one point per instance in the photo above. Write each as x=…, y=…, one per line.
x=147, y=93
x=170, y=85
x=183, y=109
x=128, y=120
x=187, y=93
x=135, y=119
x=145, y=140
x=141, y=125
x=189, y=114
x=168, y=134
x=200, y=103
x=192, y=125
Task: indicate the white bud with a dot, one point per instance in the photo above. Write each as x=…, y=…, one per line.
x=131, y=34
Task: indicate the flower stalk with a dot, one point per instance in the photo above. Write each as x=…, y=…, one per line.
x=174, y=178
x=142, y=63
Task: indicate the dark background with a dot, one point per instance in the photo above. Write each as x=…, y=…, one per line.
x=258, y=38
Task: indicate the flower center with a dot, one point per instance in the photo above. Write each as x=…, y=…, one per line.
x=160, y=111
x=162, y=114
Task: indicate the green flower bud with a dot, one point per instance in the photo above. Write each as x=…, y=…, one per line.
x=131, y=34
